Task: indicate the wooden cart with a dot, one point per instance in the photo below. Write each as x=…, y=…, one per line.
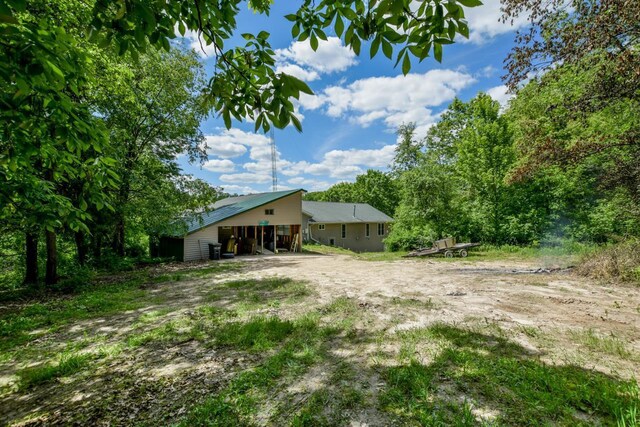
x=447, y=246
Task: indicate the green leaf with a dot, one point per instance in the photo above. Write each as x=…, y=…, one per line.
x=181, y=28
x=314, y=42
x=406, y=64
x=470, y=3
x=296, y=123
x=375, y=45
x=437, y=52
x=339, y=26
x=387, y=49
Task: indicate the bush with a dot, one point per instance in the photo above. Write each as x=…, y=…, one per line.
x=81, y=278
x=402, y=239
x=619, y=261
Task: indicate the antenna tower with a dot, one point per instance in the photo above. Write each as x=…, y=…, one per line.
x=274, y=167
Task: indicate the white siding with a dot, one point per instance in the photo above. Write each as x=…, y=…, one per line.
x=196, y=244
x=287, y=211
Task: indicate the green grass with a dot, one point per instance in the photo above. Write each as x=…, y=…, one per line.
x=490, y=371
x=603, y=344
x=39, y=318
x=299, y=345
x=564, y=252
x=68, y=363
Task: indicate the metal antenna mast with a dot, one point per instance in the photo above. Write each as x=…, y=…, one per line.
x=274, y=167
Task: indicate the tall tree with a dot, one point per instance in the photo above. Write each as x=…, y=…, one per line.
x=152, y=108
x=408, y=150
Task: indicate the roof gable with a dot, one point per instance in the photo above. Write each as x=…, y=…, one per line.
x=232, y=206
x=331, y=212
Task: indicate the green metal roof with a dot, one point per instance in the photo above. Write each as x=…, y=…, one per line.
x=234, y=206
x=333, y=213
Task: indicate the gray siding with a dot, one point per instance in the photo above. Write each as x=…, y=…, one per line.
x=355, y=240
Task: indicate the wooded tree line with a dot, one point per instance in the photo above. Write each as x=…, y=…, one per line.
x=561, y=161
x=98, y=100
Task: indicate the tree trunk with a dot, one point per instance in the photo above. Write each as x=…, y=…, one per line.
x=97, y=246
x=51, y=275
x=118, y=238
x=119, y=231
x=81, y=247
x=31, y=274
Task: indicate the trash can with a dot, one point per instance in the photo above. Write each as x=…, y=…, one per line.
x=214, y=250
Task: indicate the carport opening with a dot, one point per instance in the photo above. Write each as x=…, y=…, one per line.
x=256, y=239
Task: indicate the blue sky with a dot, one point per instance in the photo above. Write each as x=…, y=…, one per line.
x=349, y=126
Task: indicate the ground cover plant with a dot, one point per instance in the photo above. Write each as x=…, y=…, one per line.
x=243, y=343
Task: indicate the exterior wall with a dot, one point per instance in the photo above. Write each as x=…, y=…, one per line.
x=355, y=240
x=287, y=211
x=305, y=226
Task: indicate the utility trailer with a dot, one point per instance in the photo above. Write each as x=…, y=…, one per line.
x=447, y=246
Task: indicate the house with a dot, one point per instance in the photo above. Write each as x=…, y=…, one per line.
x=356, y=226
x=265, y=222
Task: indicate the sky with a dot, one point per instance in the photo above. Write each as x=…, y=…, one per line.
x=350, y=124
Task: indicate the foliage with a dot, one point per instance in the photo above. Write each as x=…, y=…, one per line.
x=620, y=261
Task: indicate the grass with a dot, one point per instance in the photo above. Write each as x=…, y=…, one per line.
x=603, y=344
x=474, y=373
x=300, y=345
x=35, y=319
x=436, y=375
x=68, y=364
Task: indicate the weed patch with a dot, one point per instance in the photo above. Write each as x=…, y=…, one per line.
x=490, y=371
x=68, y=364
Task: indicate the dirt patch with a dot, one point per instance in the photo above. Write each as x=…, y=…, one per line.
x=545, y=311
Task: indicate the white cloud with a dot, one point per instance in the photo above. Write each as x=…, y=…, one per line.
x=484, y=22
x=219, y=165
x=298, y=71
x=198, y=43
x=499, y=93
x=246, y=178
x=396, y=100
x=337, y=164
x=487, y=71
x=343, y=164
x=239, y=189
x=331, y=55
x=234, y=142
x=310, y=184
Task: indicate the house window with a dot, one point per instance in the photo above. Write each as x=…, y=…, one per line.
x=366, y=230
x=320, y=226
x=381, y=229
x=268, y=211
x=343, y=231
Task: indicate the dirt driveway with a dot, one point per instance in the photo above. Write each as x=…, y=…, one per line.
x=167, y=349
x=516, y=294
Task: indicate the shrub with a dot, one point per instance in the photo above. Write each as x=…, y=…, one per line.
x=619, y=261
x=402, y=239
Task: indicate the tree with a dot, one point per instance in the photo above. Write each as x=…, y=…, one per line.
x=152, y=108
x=49, y=136
x=485, y=155
x=564, y=32
x=378, y=190
x=246, y=83
x=408, y=150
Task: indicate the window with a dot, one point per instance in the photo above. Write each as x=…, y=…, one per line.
x=366, y=230
x=343, y=231
x=381, y=229
x=320, y=226
x=284, y=230
x=268, y=211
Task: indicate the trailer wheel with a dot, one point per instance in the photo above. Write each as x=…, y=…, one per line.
x=448, y=254
x=463, y=253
